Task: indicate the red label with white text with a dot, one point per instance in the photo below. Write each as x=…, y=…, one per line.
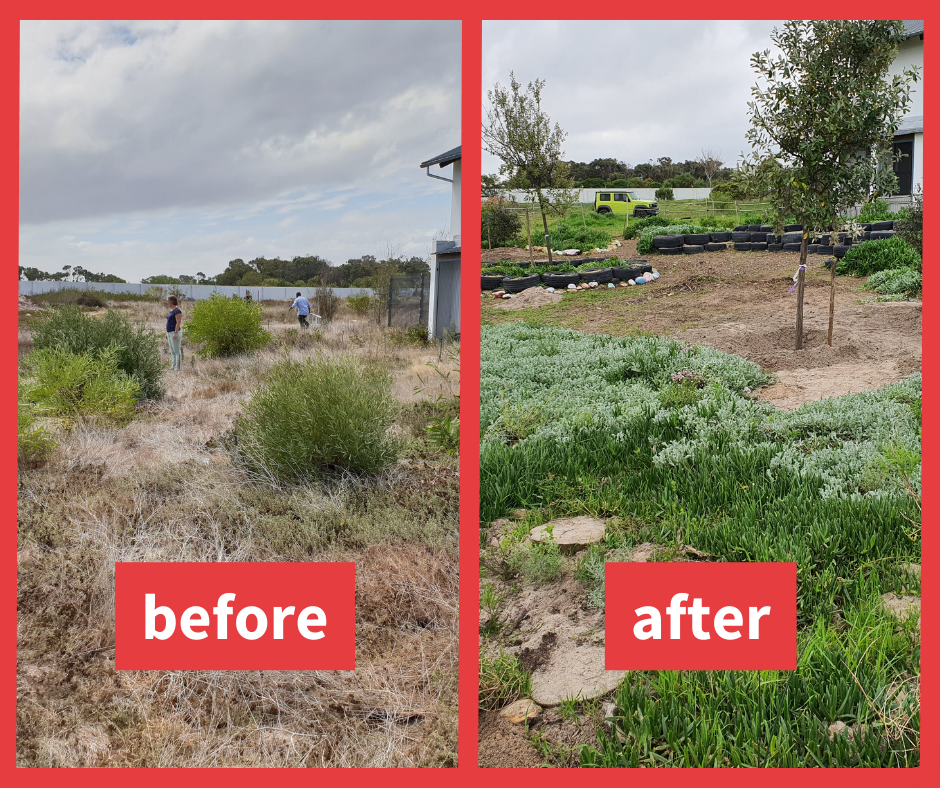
x=235, y=616
x=700, y=616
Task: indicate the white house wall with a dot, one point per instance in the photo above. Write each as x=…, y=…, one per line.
x=455, y=203
x=911, y=53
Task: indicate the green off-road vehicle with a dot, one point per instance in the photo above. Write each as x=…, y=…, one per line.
x=622, y=201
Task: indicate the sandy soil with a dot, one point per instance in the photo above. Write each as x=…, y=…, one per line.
x=738, y=302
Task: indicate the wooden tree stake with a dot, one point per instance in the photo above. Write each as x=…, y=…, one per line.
x=800, y=283
x=832, y=301
x=528, y=232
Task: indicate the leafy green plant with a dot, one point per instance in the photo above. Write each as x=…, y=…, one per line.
x=909, y=224
x=896, y=281
x=875, y=211
x=226, y=326
x=665, y=193
x=80, y=386
x=536, y=563
x=502, y=680
x=137, y=348
x=360, y=304
x=499, y=225
x=634, y=227
x=34, y=442
x=883, y=254
x=316, y=417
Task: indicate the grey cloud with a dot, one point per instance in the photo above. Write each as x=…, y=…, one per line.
x=634, y=90
x=139, y=116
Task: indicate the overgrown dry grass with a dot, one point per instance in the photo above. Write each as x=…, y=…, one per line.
x=164, y=488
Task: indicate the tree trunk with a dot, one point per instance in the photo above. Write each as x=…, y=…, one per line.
x=528, y=232
x=548, y=242
x=800, y=285
x=832, y=301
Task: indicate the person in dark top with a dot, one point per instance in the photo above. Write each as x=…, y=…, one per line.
x=174, y=323
x=248, y=296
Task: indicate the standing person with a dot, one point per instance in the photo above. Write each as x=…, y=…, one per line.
x=248, y=296
x=302, y=305
x=174, y=323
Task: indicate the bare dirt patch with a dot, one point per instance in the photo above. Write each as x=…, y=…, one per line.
x=531, y=298
x=738, y=302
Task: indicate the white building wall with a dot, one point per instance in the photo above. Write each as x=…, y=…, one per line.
x=455, y=204
x=917, y=176
x=911, y=53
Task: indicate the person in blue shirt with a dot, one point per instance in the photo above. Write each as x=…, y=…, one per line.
x=174, y=322
x=302, y=305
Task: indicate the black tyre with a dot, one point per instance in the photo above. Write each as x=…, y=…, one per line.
x=760, y=246
x=789, y=228
x=671, y=250
x=774, y=247
x=867, y=235
x=715, y=247
x=623, y=274
x=645, y=267
x=754, y=228
x=696, y=239
x=839, y=251
x=600, y=275
x=882, y=226
x=791, y=247
x=488, y=282
x=603, y=209
x=693, y=249
x=518, y=284
x=792, y=238
x=811, y=249
x=766, y=228
x=667, y=241
x=879, y=234
x=742, y=247
x=741, y=228
x=561, y=280
x=824, y=249
x=720, y=238
x=740, y=237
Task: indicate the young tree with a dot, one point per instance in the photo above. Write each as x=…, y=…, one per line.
x=521, y=135
x=823, y=117
x=710, y=163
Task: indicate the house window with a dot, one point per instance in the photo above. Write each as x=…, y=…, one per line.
x=903, y=150
x=605, y=197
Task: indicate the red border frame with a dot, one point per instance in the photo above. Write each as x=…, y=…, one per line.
x=472, y=13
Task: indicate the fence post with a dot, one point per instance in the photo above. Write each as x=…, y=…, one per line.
x=421, y=301
x=390, y=280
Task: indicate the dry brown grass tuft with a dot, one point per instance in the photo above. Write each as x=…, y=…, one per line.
x=164, y=488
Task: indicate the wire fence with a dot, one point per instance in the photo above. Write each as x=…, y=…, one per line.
x=408, y=300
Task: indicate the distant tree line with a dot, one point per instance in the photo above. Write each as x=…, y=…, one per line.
x=301, y=271
x=703, y=171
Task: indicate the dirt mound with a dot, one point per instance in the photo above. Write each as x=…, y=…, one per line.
x=504, y=745
x=533, y=297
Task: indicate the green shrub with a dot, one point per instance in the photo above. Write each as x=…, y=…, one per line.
x=499, y=226
x=326, y=303
x=502, y=680
x=620, y=183
x=138, y=348
x=80, y=386
x=875, y=211
x=535, y=563
x=896, y=281
x=34, y=443
x=360, y=304
x=633, y=229
x=226, y=326
x=592, y=183
x=664, y=193
x=318, y=416
x=728, y=190
x=574, y=235
x=909, y=224
x=881, y=255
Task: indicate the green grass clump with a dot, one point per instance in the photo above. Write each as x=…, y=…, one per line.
x=225, y=326
x=634, y=227
x=880, y=255
x=33, y=441
x=88, y=387
x=502, y=680
x=360, y=304
x=907, y=282
x=316, y=417
x=137, y=348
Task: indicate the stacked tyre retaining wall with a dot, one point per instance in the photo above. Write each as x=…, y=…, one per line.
x=561, y=280
x=761, y=238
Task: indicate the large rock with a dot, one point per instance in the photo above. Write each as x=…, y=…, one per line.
x=574, y=671
x=570, y=533
x=520, y=711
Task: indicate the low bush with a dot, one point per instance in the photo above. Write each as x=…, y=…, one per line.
x=34, y=442
x=634, y=228
x=535, y=563
x=75, y=387
x=620, y=183
x=875, y=211
x=592, y=183
x=326, y=302
x=728, y=190
x=226, y=326
x=360, y=304
x=909, y=224
x=137, y=348
x=316, y=417
x=572, y=234
x=664, y=193
x=502, y=680
x=906, y=282
x=499, y=226
x=881, y=255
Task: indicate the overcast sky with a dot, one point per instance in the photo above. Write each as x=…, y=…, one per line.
x=172, y=147
x=633, y=91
